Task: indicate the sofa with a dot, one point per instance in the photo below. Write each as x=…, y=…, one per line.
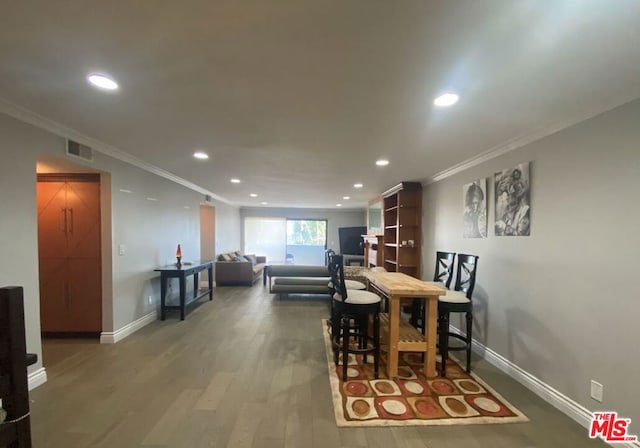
x=297, y=279
x=302, y=279
x=234, y=269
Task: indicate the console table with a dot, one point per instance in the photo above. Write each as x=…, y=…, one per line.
x=179, y=300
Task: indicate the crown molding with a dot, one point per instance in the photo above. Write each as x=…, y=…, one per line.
x=520, y=141
x=61, y=130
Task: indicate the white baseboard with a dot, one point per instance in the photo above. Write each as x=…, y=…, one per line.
x=558, y=400
x=111, y=337
x=37, y=378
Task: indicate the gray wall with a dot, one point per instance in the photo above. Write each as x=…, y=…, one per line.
x=149, y=230
x=562, y=304
x=336, y=219
x=228, y=224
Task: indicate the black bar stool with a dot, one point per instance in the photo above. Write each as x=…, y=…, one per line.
x=458, y=301
x=350, y=319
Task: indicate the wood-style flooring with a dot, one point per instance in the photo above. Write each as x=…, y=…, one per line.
x=246, y=370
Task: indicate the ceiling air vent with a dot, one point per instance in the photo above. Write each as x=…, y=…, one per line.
x=80, y=151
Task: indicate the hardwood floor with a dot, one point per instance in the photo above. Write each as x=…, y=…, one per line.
x=246, y=370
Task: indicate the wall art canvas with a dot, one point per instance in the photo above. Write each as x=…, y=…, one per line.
x=512, y=206
x=474, y=218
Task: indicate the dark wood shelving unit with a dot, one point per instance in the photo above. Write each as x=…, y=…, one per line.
x=402, y=206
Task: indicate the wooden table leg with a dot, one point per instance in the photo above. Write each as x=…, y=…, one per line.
x=394, y=334
x=431, y=319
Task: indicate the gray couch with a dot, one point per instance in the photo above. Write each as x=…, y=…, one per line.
x=231, y=273
x=297, y=279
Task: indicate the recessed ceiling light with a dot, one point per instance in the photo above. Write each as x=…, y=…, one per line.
x=201, y=155
x=382, y=162
x=102, y=81
x=253, y=195
x=123, y=190
x=264, y=203
x=338, y=205
x=358, y=185
x=346, y=198
x=151, y=199
x=446, y=99
x=235, y=181
x=187, y=207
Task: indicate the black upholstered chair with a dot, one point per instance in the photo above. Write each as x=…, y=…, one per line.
x=458, y=301
x=350, y=284
x=352, y=306
x=445, y=262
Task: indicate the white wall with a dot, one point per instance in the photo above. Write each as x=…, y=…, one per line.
x=228, y=226
x=18, y=222
x=150, y=230
x=563, y=303
x=335, y=218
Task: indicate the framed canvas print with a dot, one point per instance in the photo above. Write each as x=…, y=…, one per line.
x=474, y=215
x=512, y=206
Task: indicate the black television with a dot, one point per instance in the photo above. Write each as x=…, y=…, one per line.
x=351, y=242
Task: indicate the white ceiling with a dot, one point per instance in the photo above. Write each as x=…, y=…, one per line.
x=299, y=98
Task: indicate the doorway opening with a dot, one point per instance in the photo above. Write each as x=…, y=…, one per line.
x=207, y=237
x=73, y=212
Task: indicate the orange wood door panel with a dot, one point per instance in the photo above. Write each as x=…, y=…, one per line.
x=83, y=218
x=52, y=241
x=85, y=298
x=54, y=291
x=69, y=244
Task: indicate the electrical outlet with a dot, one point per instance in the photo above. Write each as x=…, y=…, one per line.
x=150, y=299
x=597, y=390
x=122, y=249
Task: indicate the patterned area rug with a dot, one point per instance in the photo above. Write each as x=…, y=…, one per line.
x=412, y=400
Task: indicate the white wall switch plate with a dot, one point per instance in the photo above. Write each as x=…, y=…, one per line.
x=597, y=390
x=122, y=249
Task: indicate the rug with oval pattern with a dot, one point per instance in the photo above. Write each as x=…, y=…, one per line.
x=412, y=399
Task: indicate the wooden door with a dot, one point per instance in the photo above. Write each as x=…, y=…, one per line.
x=83, y=220
x=70, y=257
x=52, y=249
x=54, y=293
x=207, y=236
x=85, y=295
x=83, y=249
x=52, y=200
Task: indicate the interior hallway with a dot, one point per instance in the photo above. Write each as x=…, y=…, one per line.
x=246, y=370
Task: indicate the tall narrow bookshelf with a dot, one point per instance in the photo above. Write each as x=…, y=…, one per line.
x=402, y=228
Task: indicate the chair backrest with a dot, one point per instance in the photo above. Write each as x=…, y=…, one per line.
x=16, y=431
x=466, y=274
x=445, y=262
x=336, y=270
x=328, y=254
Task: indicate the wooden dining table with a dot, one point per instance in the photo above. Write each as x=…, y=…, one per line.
x=399, y=334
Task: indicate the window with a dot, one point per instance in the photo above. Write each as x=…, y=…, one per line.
x=266, y=236
x=290, y=241
x=306, y=241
